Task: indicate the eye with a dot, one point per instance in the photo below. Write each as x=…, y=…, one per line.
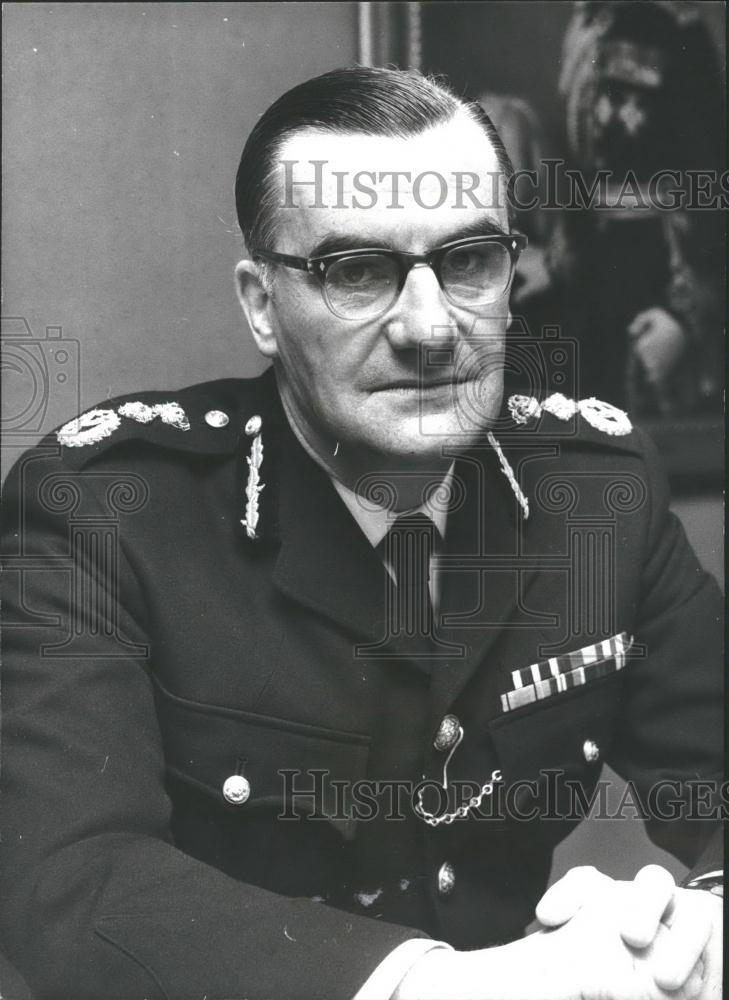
x=360, y=273
x=354, y=272
x=465, y=261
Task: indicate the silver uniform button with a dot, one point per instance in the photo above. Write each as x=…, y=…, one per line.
x=254, y=425
x=447, y=734
x=446, y=879
x=590, y=751
x=216, y=418
x=236, y=789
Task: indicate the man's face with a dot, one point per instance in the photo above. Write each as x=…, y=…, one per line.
x=369, y=384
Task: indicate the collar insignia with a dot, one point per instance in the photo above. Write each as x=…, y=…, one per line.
x=509, y=473
x=254, y=484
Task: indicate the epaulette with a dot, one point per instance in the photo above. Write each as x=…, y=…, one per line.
x=588, y=425
x=582, y=421
x=206, y=420
x=209, y=421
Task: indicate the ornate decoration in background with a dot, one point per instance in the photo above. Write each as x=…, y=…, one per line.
x=630, y=73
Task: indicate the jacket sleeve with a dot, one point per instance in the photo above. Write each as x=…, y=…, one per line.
x=670, y=742
x=97, y=901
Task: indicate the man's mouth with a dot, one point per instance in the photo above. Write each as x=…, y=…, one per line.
x=418, y=385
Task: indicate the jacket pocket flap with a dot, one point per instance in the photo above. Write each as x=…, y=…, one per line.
x=570, y=733
x=206, y=745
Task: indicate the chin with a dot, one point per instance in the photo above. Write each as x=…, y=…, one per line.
x=437, y=431
x=424, y=442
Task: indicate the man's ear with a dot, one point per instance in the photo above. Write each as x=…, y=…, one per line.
x=256, y=303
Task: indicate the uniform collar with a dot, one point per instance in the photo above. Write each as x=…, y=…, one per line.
x=375, y=520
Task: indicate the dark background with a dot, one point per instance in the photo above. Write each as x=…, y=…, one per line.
x=514, y=48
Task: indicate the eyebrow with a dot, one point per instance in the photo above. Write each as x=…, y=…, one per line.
x=339, y=242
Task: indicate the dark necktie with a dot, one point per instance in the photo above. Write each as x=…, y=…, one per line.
x=408, y=546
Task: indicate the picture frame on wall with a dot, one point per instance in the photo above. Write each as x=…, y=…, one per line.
x=634, y=282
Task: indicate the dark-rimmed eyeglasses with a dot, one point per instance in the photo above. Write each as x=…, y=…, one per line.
x=363, y=284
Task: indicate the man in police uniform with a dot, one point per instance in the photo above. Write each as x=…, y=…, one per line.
x=226, y=646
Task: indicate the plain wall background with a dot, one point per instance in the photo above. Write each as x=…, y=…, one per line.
x=123, y=125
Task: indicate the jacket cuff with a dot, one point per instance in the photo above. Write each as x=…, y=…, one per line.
x=391, y=971
x=712, y=882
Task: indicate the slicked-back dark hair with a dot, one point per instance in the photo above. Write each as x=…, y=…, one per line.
x=353, y=100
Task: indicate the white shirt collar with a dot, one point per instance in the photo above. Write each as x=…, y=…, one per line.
x=375, y=521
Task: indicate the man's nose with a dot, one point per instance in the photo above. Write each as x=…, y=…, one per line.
x=421, y=311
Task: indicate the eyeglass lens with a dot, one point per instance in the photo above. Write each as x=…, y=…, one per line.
x=361, y=286
x=474, y=275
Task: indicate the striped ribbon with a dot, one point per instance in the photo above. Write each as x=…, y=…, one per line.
x=561, y=673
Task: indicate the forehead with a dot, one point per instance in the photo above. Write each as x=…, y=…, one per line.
x=410, y=192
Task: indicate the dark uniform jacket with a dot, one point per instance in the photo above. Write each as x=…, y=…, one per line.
x=154, y=650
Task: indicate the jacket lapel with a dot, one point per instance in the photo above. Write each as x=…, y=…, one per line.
x=484, y=579
x=325, y=562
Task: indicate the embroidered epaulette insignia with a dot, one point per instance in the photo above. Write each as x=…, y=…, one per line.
x=602, y=416
x=95, y=425
x=605, y=417
x=90, y=428
x=524, y=408
x=560, y=406
x=169, y=413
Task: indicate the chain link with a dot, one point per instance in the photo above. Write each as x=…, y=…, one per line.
x=462, y=811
